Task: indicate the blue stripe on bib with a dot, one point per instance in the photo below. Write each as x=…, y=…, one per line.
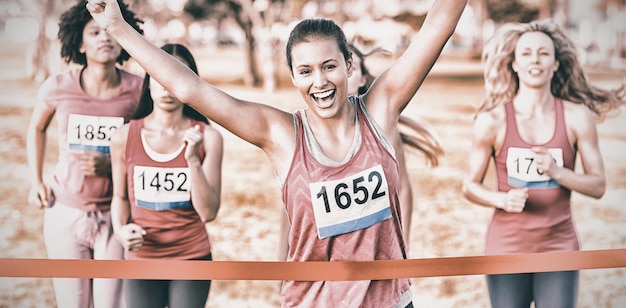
x=533, y=185
x=357, y=224
x=90, y=148
x=164, y=206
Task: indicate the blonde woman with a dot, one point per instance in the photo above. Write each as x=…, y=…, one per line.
x=539, y=115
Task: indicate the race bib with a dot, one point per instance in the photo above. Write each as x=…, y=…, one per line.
x=162, y=189
x=352, y=203
x=522, y=168
x=91, y=133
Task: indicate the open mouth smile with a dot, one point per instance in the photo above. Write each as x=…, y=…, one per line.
x=324, y=99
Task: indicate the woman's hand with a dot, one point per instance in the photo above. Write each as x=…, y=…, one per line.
x=39, y=195
x=95, y=164
x=515, y=200
x=544, y=161
x=105, y=12
x=194, y=139
x=130, y=236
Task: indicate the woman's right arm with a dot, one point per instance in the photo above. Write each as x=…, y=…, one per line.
x=35, y=150
x=259, y=124
x=484, y=135
x=130, y=235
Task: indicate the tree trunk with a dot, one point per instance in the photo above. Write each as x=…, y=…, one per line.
x=251, y=75
x=40, y=66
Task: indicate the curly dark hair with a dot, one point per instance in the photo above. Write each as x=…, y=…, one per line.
x=73, y=23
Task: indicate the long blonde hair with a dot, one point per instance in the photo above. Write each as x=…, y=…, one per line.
x=569, y=82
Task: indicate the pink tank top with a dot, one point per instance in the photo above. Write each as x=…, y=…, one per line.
x=348, y=212
x=546, y=223
x=159, y=195
x=85, y=123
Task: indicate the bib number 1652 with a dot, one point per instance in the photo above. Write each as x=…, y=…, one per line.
x=354, y=202
x=356, y=189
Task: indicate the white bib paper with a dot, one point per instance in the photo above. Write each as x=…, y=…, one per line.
x=91, y=133
x=522, y=168
x=162, y=188
x=352, y=203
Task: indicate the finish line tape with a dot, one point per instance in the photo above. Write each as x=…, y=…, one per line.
x=314, y=271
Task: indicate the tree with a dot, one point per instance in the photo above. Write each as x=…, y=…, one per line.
x=39, y=68
x=257, y=19
x=503, y=11
x=243, y=16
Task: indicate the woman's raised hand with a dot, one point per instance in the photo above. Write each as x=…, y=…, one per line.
x=105, y=12
x=193, y=137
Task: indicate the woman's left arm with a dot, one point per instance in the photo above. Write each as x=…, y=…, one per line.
x=206, y=175
x=592, y=181
x=395, y=87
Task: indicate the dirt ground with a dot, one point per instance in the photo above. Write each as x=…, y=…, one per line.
x=247, y=227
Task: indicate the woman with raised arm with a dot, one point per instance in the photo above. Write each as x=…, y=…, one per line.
x=336, y=166
x=539, y=114
x=413, y=133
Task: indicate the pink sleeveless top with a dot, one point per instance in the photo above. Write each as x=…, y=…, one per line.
x=86, y=123
x=349, y=212
x=160, y=200
x=546, y=223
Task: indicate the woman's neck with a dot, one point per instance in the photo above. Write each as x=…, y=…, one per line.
x=165, y=120
x=335, y=135
x=533, y=100
x=99, y=80
x=341, y=124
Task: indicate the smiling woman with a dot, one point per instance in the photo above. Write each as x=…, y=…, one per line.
x=314, y=149
x=539, y=116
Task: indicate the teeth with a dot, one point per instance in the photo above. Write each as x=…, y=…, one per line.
x=323, y=95
x=535, y=71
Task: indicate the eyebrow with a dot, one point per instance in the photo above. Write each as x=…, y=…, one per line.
x=323, y=63
x=93, y=26
x=540, y=48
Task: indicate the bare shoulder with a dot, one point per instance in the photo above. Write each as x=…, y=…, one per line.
x=580, y=121
x=120, y=135
x=212, y=134
x=575, y=112
x=491, y=119
x=119, y=140
x=489, y=128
